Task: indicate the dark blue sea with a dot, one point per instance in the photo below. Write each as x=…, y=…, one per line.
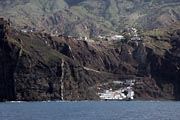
x=124, y=110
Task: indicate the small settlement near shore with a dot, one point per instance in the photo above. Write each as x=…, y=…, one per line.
x=125, y=91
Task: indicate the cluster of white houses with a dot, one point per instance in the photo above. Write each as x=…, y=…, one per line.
x=131, y=32
x=125, y=92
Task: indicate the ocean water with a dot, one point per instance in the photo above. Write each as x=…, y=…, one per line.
x=122, y=110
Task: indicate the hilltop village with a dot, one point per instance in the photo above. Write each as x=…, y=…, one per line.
x=128, y=34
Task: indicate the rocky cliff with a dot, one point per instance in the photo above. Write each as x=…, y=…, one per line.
x=37, y=66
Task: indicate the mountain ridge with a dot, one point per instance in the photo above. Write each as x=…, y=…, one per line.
x=86, y=17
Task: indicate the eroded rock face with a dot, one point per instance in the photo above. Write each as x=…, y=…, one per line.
x=37, y=66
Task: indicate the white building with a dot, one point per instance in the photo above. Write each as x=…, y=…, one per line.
x=135, y=38
x=117, y=37
x=130, y=94
x=24, y=30
x=118, y=82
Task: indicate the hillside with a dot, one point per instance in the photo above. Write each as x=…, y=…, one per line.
x=38, y=66
x=90, y=17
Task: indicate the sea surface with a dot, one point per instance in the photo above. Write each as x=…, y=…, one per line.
x=122, y=110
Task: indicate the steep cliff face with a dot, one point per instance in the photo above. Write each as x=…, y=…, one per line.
x=37, y=66
x=7, y=64
x=165, y=69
